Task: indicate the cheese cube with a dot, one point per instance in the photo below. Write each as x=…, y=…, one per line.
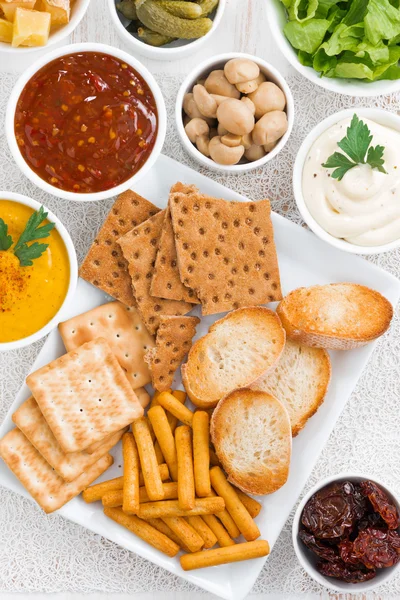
x=58, y=9
x=10, y=6
x=6, y=31
x=31, y=28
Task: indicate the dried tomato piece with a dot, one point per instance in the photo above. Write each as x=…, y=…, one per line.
x=347, y=553
x=319, y=548
x=371, y=520
x=377, y=548
x=339, y=570
x=333, y=511
x=381, y=503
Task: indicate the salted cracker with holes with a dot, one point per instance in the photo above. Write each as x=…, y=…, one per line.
x=173, y=342
x=29, y=419
x=124, y=331
x=84, y=396
x=166, y=282
x=104, y=265
x=139, y=247
x=49, y=490
x=226, y=251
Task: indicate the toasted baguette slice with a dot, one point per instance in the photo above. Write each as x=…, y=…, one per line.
x=237, y=350
x=252, y=436
x=340, y=316
x=300, y=381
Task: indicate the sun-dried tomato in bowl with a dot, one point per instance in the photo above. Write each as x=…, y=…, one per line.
x=353, y=528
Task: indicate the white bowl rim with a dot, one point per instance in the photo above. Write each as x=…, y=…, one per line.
x=372, y=113
x=55, y=37
x=349, y=87
x=321, y=579
x=73, y=271
x=164, y=53
x=189, y=82
x=75, y=49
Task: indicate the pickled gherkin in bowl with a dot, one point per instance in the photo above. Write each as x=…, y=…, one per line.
x=176, y=27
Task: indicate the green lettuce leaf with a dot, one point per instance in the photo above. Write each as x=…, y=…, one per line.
x=382, y=21
x=307, y=36
x=357, y=12
x=303, y=10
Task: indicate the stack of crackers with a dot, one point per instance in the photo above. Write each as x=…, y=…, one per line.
x=80, y=407
x=200, y=250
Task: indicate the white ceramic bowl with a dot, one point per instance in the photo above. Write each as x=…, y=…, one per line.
x=175, y=50
x=382, y=117
x=73, y=49
x=308, y=560
x=73, y=272
x=202, y=70
x=78, y=11
x=276, y=18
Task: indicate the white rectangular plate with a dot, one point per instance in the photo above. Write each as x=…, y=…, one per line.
x=304, y=260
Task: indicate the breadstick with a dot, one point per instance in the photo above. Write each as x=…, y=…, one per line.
x=172, y=404
x=159, y=455
x=143, y=530
x=170, y=492
x=203, y=530
x=185, y=532
x=163, y=527
x=96, y=492
x=154, y=400
x=184, y=452
x=223, y=537
x=201, y=453
x=253, y=507
x=234, y=506
x=222, y=556
x=130, y=455
x=173, y=421
x=170, y=508
x=180, y=395
x=227, y=521
x=113, y=499
x=148, y=460
x=165, y=438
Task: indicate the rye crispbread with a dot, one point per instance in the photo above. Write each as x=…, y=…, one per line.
x=337, y=316
x=104, y=265
x=251, y=432
x=173, y=342
x=29, y=419
x=299, y=380
x=49, y=490
x=124, y=331
x=84, y=396
x=236, y=351
x=139, y=247
x=226, y=251
x=166, y=282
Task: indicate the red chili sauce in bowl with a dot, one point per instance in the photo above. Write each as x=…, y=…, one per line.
x=86, y=122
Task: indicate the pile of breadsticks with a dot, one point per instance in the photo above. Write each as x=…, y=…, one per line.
x=174, y=495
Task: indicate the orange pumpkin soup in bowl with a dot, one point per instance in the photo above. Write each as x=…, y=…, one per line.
x=37, y=270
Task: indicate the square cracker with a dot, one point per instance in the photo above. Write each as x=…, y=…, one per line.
x=139, y=247
x=226, y=251
x=84, y=396
x=173, y=342
x=104, y=265
x=124, y=331
x=49, y=490
x=29, y=419
x=166, y=282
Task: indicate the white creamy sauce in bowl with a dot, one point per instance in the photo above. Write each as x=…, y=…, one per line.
x=364, y=207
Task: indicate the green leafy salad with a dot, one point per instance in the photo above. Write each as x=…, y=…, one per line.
x=356, y=39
